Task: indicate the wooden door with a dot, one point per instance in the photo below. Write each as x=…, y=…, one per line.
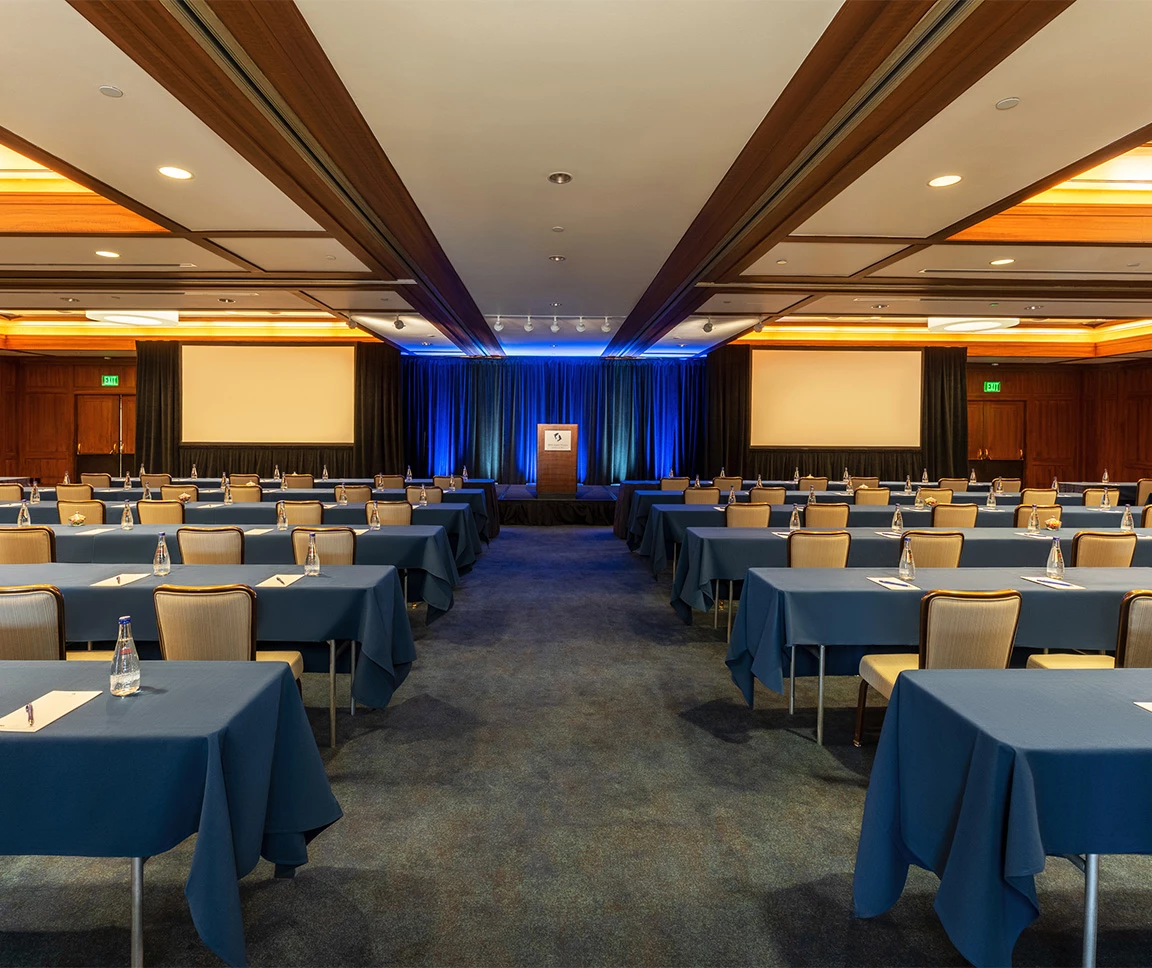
x=97, y=423
x=1004, y=430
x=975, y=430
x=127, y=425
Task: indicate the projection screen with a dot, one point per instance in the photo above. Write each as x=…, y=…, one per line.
x=835, y=398
x=267, y=394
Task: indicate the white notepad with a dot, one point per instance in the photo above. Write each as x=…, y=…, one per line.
x=330, y=506
x=894, y=583
x=258, y=531
x=1039, y=534
x=1144, y=705
x=211, y=505
x=279, y=581
x=117, y=580
x=890, y=534
x=781, y=534
x=99, y=531
x=45, y=710
x=1051, y=582
x=360, y=530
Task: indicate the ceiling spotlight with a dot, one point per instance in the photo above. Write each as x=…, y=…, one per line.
x=498, y=325
x=398, y=323
x=425, y=343
x=107, y=254
x=351, y=323
x=971, y=324
x=110, y=90
x=580, y=327
x=555, y=327
x=943, y=181
x=1007, y=103
x=759, y=326
x=528, y=325
x=556, y=258
x=171, y=171
x=781, y=262
x=560, y=178
x=554, y=305
x=1001, y=262
x=708, y=327
x=607, y=327
x=1030, y=308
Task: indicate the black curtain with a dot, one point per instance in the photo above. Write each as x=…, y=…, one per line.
x=158, y=405
x=379, y=437
x=944, y=411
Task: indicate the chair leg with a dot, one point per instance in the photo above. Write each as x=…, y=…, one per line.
x=137, y=959
x=1091, y=895
x=352, y=676
x=331, y=692
x=820, y=703
x=861, y=705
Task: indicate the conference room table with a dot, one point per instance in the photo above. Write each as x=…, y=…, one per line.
x=981, y=775
x=361, y=603
x=224, y=753
x=1128, y=489
x=823, y=620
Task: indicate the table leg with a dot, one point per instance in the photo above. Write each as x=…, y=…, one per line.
x=792, y=684
x=352, y=676
x=675, y=556
x=1091, y=897
x=820, y=703
x=331, y=692
x=137, y=912
x=715, y=603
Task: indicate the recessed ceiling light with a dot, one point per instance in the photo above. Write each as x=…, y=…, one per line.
x=1030, y=308
x=110, y=90
x=1007, y=103
x=879, y=305
x=560, y=178
x=171, y=171
x=425, y=343
x=556, y=258
x=554, y=305
x=1001, y=262
x=69, y=299
x=557, y=228
x=682, y=346
x=330, y=258
x=225, y=300
x=1133, y=265
x=943, y=181
x=107, y=254
x=781, y=262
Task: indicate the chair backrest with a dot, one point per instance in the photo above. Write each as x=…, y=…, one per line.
x=356, y=493
x=818, y=549
x=1103, y=549
x=810, y=483
x=1038, y=495
x=297, y=480
x=27, y=546
x=872, y=495
x=390, y=482
x=954, y=483
x=941, y=495
x=747, y=515
x=936, y=549
x=728, y=483
x=446, y=481
x=303, y=512
x=160, y=512
x=31, y=622
x=213, y=623
x=235, y=479
x=1134, y=643
x=1145, y=516
x=826, y=515
x=673, y=483
x=247, y=493
x=1094, y=496
x=432, y=494
x=968, y=630
x=93, y=511
x=1044, y=512
x=73, y=492
x=1143, y=490
x=954, y=515
x=211, y=546
x=390, y=512
x=96, y=480
x=173, y=492
x=855, y=482
x=334, y=546
x=11, y=492
x=768, y=495
x=155, y=480
x=1009, y=485
x=702, y=495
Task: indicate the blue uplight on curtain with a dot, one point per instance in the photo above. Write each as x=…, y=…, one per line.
x=637, y=418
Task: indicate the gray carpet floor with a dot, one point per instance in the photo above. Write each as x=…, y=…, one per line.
x=568, y=777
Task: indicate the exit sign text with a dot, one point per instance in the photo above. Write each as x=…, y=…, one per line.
x=113, y=380
x=990, y=386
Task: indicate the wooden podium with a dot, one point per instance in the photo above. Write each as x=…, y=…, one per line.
x=556, y=458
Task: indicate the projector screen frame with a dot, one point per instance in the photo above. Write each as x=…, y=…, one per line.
x=258, y=443
x=782, y=448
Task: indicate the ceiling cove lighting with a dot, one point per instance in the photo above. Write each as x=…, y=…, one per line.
x=171, y=171
x=1001, y=262
x=107, y=254
x=971, y=324
x=943, y=181
x=140, y=317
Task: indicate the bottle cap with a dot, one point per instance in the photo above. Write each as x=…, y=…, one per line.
x=125, y=619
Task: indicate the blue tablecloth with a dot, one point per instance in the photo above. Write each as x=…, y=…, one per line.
x=708, y=554
x=1127, y=489
x=981, y=774
x=222, y=750
x=841, y=609
x=364, y=603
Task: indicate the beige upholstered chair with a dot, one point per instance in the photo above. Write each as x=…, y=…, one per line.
x=33, y=545
x=73, y=492
x=297, y=480
x=446, y=481
x=810, y=483
x=11, y=492
x=958, y=630
x=31, y=622
x=728, y=483
x=173, y=492
x=211, y=546
x=96, y=480
x=768, y=495
x=941, y=495
x=954, y=515
x=826, y=515
x=1038, y=495
x=818, y=549
x=160, y=512
x=673, y=483
x=936, y=549
x=247, y=493
x=872, y=495
x=747, y=515
x=155, y=480
x=702, y=495
x=1103, y=549
x=93, y=511
x=303, y=512
x=1045, y=512
x=356, y=493
x=235, y=479
x=390, y=512
x=1094, y=496
x=335, y=546
x=1009, y=485
x=1146, y=517
x=956, y=484
x=432, y=494
x=1133, y=642
x=855, y=482
x=389, y=482
x=1143, y=490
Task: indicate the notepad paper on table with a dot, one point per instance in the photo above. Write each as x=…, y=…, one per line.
x=46, y=710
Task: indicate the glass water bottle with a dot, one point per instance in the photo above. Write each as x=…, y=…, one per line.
x=1105, y=501
x=991, y=500
x=276, y=472
x=342, y=495
x=161, y=563
x=924, y=476
x=907, y=569
x=423, y=497
x=1034, y=521
x=126, y=522
x=897, y=520
x=194, y=474
x=125, y=673
x=811, y=495
x=1055, y=566
x=227, y=493
x=731, y=495
x=794, y=520
x=23, y=517
x=1126, y=523
x=919, y=502
x=907, y=483
x=312, y=559
x=464, y=474
x=374, y=519
x=324, y=473
x=34, y=498
x=281, y=516
x=795, y=476
x=408, y=475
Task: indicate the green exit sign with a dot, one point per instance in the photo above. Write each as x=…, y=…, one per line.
x=990, y=386
x=112, y=380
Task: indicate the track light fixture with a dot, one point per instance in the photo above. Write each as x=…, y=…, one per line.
x=607, y=327
x=498, y=325
x=528, y=326
x=759, y=327
x=555, y=327
x=708, y=325
x=580, y=327
x=398, y=323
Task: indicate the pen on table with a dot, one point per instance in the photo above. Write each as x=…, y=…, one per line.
x=280, y=580
x=117, y=579
x=28, y=710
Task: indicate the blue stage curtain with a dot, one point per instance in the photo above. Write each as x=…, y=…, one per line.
x=637, y=418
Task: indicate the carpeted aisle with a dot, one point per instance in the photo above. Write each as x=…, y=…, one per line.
x=568, y=777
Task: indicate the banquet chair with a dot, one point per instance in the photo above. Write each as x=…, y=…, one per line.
x=173, y=492
x=297, y=480
x=855, y=482
x=958, y=630
x=155, y=480
x=809, y=483
x=356, y=493
x=93, y=511
x=246, y=493
x=390, y=512
x=73, y=492
x=235, y=479
x=941, y=495
x=1133, y=641
x=957, y=484
x=334, y=546
x=1094, y=496
x=702, y=495
x=1038, y=495
x=872, y=495
x=446, y=481
x=96, y=480
x=826, y=515
x=1146, y=517
x=27, y=546
x=728, y=483
x=303, y=512
x=818, y=549
x=11, y=492
x=211, y=546
x=954, y=515
x=673, y=483
x=432, y=494
x=935, y=549
x=768, y=495
x=1045, y=512
x=32, y=622
x=160, y=512
x=1143, y=490
x=389, y=482
x=1009, y=485
x=747, y=515
x=1103, y=549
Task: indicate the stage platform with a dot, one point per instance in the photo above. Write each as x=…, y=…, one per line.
x=520, y=504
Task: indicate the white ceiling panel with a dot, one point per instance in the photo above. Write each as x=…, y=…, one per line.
x=295, y=255
x=174, y=298
x=417, y=335
x=348, y=300
x=689, y=337
x=1083, y=83
x=51, y=63
x=937, y=306
x=1049, y=262
x=645, y=104
x=750, y=302
x=819, y=258
x=156, y=254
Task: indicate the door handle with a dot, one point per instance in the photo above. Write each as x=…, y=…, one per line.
x=1021, y=453
x=77, y=447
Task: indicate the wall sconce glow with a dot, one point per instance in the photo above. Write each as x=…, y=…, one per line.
x=141, y=317
x=943, y=181
x=1001, y=262
x=971, y=324
x=171, y=171
x=107, y=254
